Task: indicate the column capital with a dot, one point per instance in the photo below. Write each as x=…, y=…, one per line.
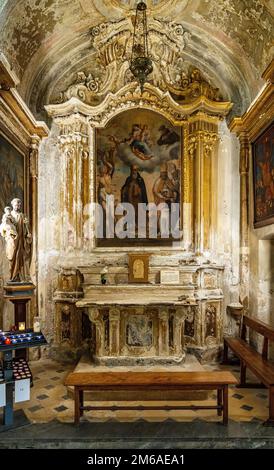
x=114, y=314
x=163, y=314
x=33, y=155
x=94, y=315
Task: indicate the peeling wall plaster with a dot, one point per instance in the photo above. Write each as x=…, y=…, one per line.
x=44, y=39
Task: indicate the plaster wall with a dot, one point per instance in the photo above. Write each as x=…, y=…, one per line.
x=228, y=215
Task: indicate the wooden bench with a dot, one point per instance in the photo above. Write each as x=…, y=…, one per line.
x=144, y=381
x=250, y=358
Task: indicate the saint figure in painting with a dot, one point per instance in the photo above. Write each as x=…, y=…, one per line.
x=164, y=190
x=134, y=191
x=106, y=171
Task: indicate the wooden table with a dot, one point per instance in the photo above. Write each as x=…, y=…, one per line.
x=144, y=381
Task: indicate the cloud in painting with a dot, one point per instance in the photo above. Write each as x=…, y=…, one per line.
x=160, y=154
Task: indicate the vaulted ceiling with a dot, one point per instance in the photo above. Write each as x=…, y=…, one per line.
x=48, y=41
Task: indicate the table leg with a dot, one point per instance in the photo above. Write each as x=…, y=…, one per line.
x=243, y=374
x=81, y=399
x=225, y=405
x=8, y=409
x=76, y=405
x=270, y=420
x=225, y=354
x=219, y=401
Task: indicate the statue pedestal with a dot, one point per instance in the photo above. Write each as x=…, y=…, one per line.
x=19, y=293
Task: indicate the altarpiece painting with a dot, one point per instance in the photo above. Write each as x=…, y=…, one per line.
x=139, y=162
x=263, y=164
x=12, y=173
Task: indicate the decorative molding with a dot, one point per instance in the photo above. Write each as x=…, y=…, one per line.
x=192, y=84
x=8, y=78
x=130, y=97
x=260, y=113
x=25, y=118
x=10, y=123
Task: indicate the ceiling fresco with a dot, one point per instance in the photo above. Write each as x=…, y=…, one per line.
x=49, y=42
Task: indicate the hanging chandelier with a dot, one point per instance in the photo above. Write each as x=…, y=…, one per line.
x=140, y=63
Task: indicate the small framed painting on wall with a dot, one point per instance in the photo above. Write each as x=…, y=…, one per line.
x=138, y=266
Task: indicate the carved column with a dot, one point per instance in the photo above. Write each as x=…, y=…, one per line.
x=96, y=318
x=163, y=332
x=114, y=331
x=68, y=324
x=75, y=171
x=33, y=165
x=68, y=318
x=188, y=157
x=177, y=332
x=203, y=139
x=244, y=217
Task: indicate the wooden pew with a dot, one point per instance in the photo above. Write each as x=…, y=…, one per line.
x=144, y=381
x=250, y=358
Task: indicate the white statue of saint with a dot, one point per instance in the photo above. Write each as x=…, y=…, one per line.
x=15, y=230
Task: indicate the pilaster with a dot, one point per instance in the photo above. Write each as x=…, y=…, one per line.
x=202, y=154
x=114, y=331
x=245, y=156
x=75, y=181
x=163, y=332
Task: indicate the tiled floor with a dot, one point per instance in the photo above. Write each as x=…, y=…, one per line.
x=49, y=400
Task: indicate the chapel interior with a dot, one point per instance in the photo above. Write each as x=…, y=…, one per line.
x=84, y=131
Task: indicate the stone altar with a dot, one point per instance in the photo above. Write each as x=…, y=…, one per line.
x=144, y=323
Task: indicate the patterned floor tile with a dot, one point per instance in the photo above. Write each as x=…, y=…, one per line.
x=42, y=397
x=61, y=408
x=261, y=395
x=238, y=396
x=247, y=407
x=35, y=408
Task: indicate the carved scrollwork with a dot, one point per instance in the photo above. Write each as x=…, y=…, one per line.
x=191, y=84
x=81, y=87
x=112, y=44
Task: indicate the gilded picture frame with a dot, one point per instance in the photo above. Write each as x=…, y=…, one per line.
x=118, y=152
x=138, y=267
